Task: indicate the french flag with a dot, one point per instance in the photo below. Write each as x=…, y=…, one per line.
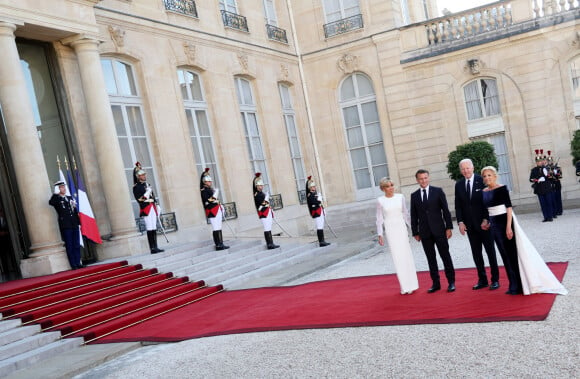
x=89, y=226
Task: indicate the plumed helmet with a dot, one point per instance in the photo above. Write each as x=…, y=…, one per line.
x=539, y=154
x=205, y=177
x=310, y=183
x=258, y=181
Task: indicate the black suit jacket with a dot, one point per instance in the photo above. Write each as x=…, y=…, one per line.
x=470, y=211
x=433, y=216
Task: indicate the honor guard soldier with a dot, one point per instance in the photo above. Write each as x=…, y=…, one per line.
x=555, y=173
x=314, y=202
x=68, y=223
x=148, y=209
x=136, y=169
x=213, y=208
x=542, y=186
x=261, y=200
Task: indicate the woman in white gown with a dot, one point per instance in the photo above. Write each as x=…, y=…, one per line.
x=392, y=213
x=533, y=275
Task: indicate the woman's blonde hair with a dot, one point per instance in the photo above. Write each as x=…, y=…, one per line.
x=384, y=181
x=489, y=168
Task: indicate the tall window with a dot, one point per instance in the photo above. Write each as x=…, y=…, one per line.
x=575, y=74
x=293, y=140
x=338, y=9
x=248, y=112
x=363, y=132
x=228, y=5
x=481, y=99
x=405, y=12
x=196, y=110
x=127, y=105
x=501, y=152
x=270, y=12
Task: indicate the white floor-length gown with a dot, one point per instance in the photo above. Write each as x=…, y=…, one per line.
x=393, y=214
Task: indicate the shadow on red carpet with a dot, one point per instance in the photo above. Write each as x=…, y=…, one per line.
x=350, y=302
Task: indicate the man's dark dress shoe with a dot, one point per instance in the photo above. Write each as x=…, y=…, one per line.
x=479, y=286
x=494, y=286
x=512, y=292
x=547, y=220
x=451, y=288
x=433, y=289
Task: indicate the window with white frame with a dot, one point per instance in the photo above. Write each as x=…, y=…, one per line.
x=575, y=75
x=502, y=154
x=335, y=10
x=228, y=5
x=405, y=12
x=248, y=112
x=481, y=99
x=127, y=108
x=270, y=13
x=200, y=133
x=293, y=140
x=363, y=131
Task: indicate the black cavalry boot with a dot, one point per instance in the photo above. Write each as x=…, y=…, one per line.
x=321, y=240
x=270, y=241
x=219, y=241
x=151, y=241
x=155, y=248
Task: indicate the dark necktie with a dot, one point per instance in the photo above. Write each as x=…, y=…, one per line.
x=468, y=190
x=424, y=195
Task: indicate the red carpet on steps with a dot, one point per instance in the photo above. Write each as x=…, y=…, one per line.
x=359, y=301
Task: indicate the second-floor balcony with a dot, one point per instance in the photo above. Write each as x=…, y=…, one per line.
x=276, y=34
x=343, y=26
x=186, y=7
x=235, y=21
x=483, y=24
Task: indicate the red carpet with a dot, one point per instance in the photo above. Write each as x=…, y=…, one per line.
x=360, y=301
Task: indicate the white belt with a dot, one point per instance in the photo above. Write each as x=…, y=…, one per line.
x=497, y=210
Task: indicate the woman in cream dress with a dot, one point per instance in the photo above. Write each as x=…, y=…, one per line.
x=392, y=213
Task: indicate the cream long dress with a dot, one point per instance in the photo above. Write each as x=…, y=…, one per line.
x=393, y=214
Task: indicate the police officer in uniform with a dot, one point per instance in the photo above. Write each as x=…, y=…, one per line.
x=147, y=201
x=68, y=223
x=542, y=186
x=314, y=202
x=213, y=208
x=261, y=200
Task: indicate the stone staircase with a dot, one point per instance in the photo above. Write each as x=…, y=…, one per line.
x=27, y=352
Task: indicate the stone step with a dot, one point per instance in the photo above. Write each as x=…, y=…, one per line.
x=15, y=334
x=38, y=354
x=9, y=324
x=28, y=343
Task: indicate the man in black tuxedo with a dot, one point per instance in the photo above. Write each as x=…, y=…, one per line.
x=431, y=224
x=470, y=213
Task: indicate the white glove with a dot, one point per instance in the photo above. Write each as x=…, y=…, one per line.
x=542, y=179
x=216, y=192
x=319, y=197
x=56, y=190
x=267, y=198
x=147, y=193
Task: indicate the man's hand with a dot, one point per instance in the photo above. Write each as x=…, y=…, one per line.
x=448, y=233
x=381, y=241
x=417, y=237
x=462, y=228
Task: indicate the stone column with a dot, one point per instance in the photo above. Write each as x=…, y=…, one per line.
x=26, y=153
x=104, y=134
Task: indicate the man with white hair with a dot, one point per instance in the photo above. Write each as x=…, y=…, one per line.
x=470, y=213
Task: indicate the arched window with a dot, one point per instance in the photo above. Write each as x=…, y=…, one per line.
x=127, y=105
x=482, y=105
x=248, y=112
x=363, y=133
x=200, y=132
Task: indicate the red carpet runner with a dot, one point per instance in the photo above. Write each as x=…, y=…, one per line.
x=361, y=301
x=117, y=302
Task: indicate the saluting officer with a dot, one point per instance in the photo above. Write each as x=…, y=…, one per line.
x=213, y=208
x=68, y=223
x=542, y=186
x=316, y=209
x=261, y=200
x=147, y=201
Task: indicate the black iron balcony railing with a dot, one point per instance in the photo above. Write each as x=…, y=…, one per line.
x=302, y=196
x=168, y=221
x=235, y=21
x=343, y=26
x=276, y=201
x=181, y=6
x=276, y=34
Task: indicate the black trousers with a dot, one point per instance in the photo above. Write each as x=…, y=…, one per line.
x=442, y=244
